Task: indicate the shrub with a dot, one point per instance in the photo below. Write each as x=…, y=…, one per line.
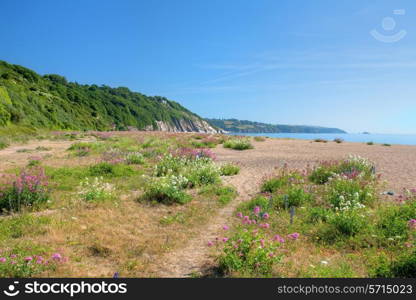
x=259, y=138
x=261, y=202
x=238, y=144
x=393, y=223
x=370, y=143
x=402, y=267
x=249, y=253
x=28, y=189
x=95, y=190
x=3, y=144
x=229, y=169
x=296, y=196
x=273, y=184
x=320, y=140
x=352, y=167
x=110, y=170
x=167, y=190
x=348, y=223
x=343, y=193
x=202, y=174
x=338, y=140
x=387, y=145
x=135, y=158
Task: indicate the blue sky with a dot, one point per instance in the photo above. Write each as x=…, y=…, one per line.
x=290, y=62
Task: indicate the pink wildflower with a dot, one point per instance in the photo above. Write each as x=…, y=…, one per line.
x=412, y=223
x=225, y=227
x=2, y=259
x=28, y=258
x=239, y=214
x=57, y=256
x=294, y=236
x=266, y=216
x=256, y=210
x=225, y=239
x=278, y=238
x=210, y=244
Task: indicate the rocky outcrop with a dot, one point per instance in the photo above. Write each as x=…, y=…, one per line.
x=183, y=125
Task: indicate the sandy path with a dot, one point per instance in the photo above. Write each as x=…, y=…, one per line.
x=397, y=164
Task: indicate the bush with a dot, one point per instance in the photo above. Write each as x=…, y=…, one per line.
x=261, y=202
x=273, y=184
x=249, y=253
x=347, y=223
x=167, y=190
x=110, y=170
x=259, y=138
x=338, y=140
x=134, y=158
x=343, y=193
x=387, y=145
x=393, y=223
x=229, y=169
x=296, y=196
x=320, y=140
x=352, y=167
x=370, y=143
x=202, y=174
x=95, y=190
x=238, y=144
x=403, y=267
x=29, y=189
x=3, y=144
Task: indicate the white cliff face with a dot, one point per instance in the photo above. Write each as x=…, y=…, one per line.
x=195, y=125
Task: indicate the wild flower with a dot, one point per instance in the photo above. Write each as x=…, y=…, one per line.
x=28, y=258
x=239, y=215
x=225, y=227
x=225, y=239
x=256, y=210
x=95, y=189
x=29, y=188
x=412, y=224
x=57, y=256
x=3, y=259
x=278, y=238
x=294, y=236
x=266, y=216
x=210, y=243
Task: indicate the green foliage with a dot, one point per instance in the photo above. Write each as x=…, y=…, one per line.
x=402, y=267
x=295, y=195
x=370, y=143
x=3, y=144
x=320, y=141
x=249, y=254
x=352, y=166
x=274, y=184
x=259, y=138
x=264, y=203
x=110, y=170
x=338, y=140
x=393, y=221
x=167, y=190
x=135, y=158
x=28, y=99
x=238, y=144
x=229, y=169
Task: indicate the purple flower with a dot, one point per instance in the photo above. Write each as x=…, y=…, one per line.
x=256, y=210
x=57, y=256
x=2, y=259
x=28, y=258
x=294, y=236
x=225, y=227
x=210, y=244
x=239, y=215
x=412, y=223
x=265, y=225
x=266, y=216
x=225, y=239
x=278, y=238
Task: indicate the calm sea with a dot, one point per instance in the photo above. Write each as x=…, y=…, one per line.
x=403, y=139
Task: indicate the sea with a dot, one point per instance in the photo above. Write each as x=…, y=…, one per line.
x=393, y=139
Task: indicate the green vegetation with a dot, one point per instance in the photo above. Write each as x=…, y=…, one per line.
x=229, y=169
x=238, y=144
x=244, y=126
x=30, y=100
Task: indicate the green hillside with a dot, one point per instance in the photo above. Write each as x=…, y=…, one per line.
x=50, y=101
x=243, y=126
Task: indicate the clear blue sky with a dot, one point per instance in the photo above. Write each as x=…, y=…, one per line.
x=292, y=62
